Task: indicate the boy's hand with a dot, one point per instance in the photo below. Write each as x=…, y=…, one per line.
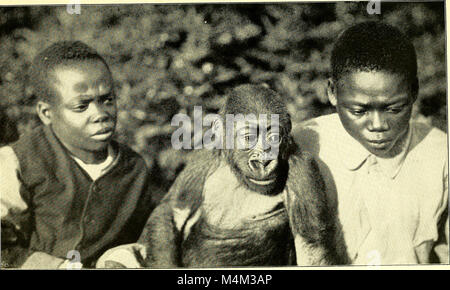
x=125, y=256
x=41, y=260
x=114, y=265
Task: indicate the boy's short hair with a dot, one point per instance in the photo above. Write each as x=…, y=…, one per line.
x=373, y=46
x=59, y=53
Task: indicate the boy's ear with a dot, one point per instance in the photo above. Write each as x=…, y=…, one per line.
x=44, y=112
x=331, y=91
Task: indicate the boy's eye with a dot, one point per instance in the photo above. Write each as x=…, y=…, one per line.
x=357, y=112
x=81, y=107
x=394, y=110
x=108, y=99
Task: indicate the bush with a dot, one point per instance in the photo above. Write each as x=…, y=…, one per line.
x=167, y=58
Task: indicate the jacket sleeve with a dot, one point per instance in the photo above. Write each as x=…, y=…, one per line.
x=10, y=199
x=12, y=206
x=15, y=219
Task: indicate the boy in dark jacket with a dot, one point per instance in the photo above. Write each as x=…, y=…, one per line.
x=68, y=191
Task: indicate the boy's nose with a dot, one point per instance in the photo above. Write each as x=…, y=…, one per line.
x=377, y=122
x=99, y=114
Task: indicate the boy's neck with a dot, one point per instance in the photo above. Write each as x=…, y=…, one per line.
x=89, y=157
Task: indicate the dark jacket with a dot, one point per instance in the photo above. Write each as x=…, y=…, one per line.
x=67, y=210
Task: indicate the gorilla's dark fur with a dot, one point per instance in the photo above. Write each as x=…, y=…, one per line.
x=178, y=235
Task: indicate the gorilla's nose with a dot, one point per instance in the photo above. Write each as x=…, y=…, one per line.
x=257, y=163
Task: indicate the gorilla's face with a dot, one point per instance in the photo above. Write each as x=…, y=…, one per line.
x=255, y=158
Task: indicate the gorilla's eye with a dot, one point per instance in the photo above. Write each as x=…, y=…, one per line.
x=274, y=139
x=247, y=141
x=250, y=140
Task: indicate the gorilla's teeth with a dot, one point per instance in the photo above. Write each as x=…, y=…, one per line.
x=262, y=182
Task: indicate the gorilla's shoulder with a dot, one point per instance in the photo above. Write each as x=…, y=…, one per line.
x=310, y=133
x=199, y=156
x=198, y=165
x=128, y=155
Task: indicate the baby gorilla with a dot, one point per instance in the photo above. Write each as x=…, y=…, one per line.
x=237, y=207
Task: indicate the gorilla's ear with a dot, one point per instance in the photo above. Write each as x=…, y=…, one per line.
x=217, y=125
x=213, y=137
x=331, y=91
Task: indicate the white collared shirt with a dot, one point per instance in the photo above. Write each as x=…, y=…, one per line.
x=389, y=209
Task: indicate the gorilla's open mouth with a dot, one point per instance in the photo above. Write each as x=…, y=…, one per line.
x=262, y=182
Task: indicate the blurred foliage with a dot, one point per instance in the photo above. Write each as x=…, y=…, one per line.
x=167, y=58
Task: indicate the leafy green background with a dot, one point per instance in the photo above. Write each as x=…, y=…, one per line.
x=167, y=58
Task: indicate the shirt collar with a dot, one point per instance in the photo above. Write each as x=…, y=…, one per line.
x=103, y=166
x=354, y=155
x=391, y=166
x=351, y=152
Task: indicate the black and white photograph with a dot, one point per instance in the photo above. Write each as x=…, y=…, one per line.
x=223, y=135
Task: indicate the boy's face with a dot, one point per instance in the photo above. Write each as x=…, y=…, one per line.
x=83, y=115
x=375, y=109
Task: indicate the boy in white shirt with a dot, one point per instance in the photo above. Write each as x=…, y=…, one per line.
x=387, y=173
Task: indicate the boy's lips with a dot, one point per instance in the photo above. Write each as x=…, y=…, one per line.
x=104, y=130
x=103, y=134
x=379, y=143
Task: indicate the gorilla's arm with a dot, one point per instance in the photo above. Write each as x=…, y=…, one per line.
x=161, y=238
x=163, y=232
x=313, y=221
